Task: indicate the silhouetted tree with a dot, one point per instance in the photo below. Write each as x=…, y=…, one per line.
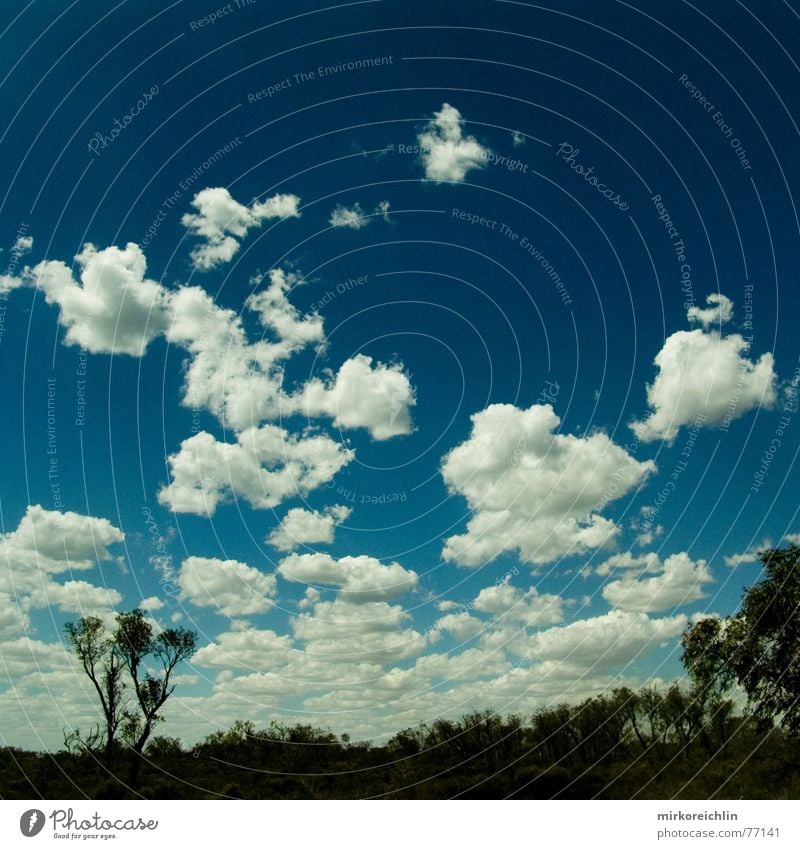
x=758, y=647
x=104, y=659
x=103, y=664
x=135, y=642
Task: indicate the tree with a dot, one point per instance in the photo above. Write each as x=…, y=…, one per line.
x=135, y=642
x=103, y=665
x=131, y=647
x=757, y=648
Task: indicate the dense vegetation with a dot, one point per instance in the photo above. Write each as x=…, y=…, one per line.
x=625, y=745
x=676, y=742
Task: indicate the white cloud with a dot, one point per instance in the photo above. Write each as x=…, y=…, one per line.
x=750, y=556
x=265, y=466
x=344, y=631
x=719, y=311
x=221, y=221
x=350, y=217
x=278, y=314
x=447, y=154
x=151, y=604
x=49, y=541
x=649, y=563
x=251, y=649
x=376, y=397
x=75, y=597
x=532, y=489
x=617, y=637
x=359, y=579
x=23, y=245
x=461, y=625
x=530, y=608
x=679, y=581
x=232, y=588
x=113, y=308
x=517, y=138
x=354, y=217
x=239, y=382
x=705, y=379
x=8, y=283
x=382, y=209
x=302, y=527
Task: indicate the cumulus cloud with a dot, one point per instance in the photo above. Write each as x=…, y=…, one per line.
x=303, y=527
x=531, y=608
x=265, y=466
x=719, y=311
x=533, y=490
x=377, y=397
x=113, y=307
x=350, y=217
x=360, y=579
x=234, y=589
x=48, y=543
x=22, y=246
x=221, y=221
x=649, y=563
x=614, y=638
x=250, y=649
x=347, y=631
x=705, y=378
x=447, y=154
x=237, y=381
x=354, y=217
x=678, y=580
x=75, y=597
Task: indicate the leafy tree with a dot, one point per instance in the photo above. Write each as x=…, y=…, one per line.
x=135, y=642
x=130, y=648
x=757, y=648
x=103, y=665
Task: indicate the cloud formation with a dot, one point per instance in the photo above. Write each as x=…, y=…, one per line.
x=447, y=154
x=533, y=490
x=704, y=376
x=220, y=221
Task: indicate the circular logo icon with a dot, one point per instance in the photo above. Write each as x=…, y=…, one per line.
x=31, y=822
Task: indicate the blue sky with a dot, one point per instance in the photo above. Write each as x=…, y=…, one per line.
x=419, y=362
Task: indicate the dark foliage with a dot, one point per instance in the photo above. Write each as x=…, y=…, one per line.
x=646, y=744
